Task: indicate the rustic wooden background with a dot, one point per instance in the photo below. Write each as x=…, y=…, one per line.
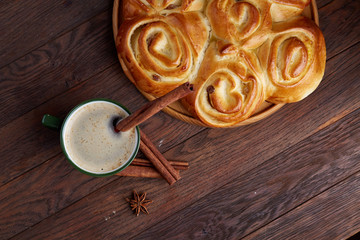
x=294, y=175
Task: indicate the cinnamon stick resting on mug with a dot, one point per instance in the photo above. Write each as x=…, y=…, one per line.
x=151, y=108
x=146, y=146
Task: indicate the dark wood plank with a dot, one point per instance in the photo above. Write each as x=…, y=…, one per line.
x=56, y=67
x=33, y=197
x=322, y=3
x=27, y=25
x=339, y=206
x=274, y=188
x=340, y=23
x=251, y=146
x=110, y=210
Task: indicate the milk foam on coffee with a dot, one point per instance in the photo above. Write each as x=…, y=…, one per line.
x=90, y=139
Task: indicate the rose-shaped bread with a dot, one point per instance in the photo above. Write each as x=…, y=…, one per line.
x=238, y=21
x=229, y=86
x=294, y=59
x=282, y=10
x=159, y=53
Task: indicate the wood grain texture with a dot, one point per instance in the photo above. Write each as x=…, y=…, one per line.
x=27, y=25
x=209, y=162
x=56, y=67
x=338, y=206
x=106, y=208
x=33, y=197
x=344, y=15
x=274, y=188
x=322, y=3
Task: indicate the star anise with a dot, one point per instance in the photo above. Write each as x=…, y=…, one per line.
x=139, y=203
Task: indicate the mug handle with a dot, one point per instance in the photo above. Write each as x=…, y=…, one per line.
x=51, y=122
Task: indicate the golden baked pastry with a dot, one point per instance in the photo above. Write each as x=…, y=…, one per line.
x=162, y=52
x=229, y=85
x=238, y=21
x=236, y=53
x=282, y=10
x=293, y=58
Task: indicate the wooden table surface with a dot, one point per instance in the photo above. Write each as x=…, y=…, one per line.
x=293, y=175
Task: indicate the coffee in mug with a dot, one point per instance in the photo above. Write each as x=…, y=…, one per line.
x=90, y=142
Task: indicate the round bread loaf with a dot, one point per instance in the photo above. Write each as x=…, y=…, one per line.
x=236, y=53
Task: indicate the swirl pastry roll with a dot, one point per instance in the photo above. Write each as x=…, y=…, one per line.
x=282, y=10
x=135, y=8
x=228, y=88
x=159, y=53
x=294, y=59
x=238, y=21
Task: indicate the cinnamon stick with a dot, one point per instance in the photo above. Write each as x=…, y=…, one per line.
x=153, y=107
x=138, y=171
x=145, y=171
x=158, y=160
x=157, y=164
x=178, y=165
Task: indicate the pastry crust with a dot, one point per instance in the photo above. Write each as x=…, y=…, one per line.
x=229, y=86
x=294, y=60
x=282, y=10
x=236, y=53
x=162, y=52
x=239, y=21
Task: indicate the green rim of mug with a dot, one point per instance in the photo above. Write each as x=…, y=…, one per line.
x=128, y=162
